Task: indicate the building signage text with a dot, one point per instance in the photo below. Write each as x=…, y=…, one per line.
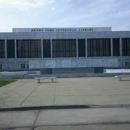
x=61, y=29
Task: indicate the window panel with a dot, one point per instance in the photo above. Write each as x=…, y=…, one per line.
x=81, y=47
x=32, y=45
x=88, y=45
x=73, y=54
x=0, y=66
x=28, y=48
x=64, y=47
x=47, y=48
x=67, y=46
x=2, y=49
x=67, y=54
x=38, y=44
x=22, y=66
x=98, y=47
x=26, y=55
x=116, y=47
x=101, y=53
x=126, y=46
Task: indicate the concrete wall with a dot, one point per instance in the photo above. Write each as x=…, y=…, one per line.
x=73, y=63
x=65, y=35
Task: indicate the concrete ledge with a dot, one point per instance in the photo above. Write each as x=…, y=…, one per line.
x=62, y=75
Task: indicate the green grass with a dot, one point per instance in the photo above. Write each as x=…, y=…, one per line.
x=5, y=82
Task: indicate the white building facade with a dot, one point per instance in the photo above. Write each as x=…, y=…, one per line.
x=64, y=50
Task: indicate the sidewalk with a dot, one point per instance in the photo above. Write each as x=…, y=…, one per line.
x=67, y=119
x=66, y=91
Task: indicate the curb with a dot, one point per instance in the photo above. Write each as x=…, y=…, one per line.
x=62, y=107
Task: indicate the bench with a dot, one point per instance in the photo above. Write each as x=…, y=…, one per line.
x=39, y=78
x=121, y=76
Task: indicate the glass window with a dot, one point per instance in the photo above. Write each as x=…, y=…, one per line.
x=22, y=66
x=116, y=47
x=126, y=46
x=127, y=64
x=2, y=49
x=28, y=48
x=10, y=49
x=81, y=47
x=27, y=66
x=98, y=47
x=47, y=48
x=0, y=66
x=64, y=48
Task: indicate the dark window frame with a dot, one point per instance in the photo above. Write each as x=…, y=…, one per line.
x=22, y=66
x=46, y=48
x=2, y=48
x=63, y=48
x=125, y=46
x=81, y=48
x=29, y=48
x=10, y=48
x=1, y=66
x=116, y=46
x=99, y=47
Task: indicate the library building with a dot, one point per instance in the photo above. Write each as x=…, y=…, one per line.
x=64, y=50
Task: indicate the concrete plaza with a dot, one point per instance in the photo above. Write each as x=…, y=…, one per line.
x=66, y=91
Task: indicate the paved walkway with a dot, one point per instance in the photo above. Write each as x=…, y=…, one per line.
x=67, y=119
x=102, y=91
x=66, y=91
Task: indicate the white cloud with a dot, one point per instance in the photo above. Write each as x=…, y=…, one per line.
x=26, y=4
x=53, y=9
x=125, y=13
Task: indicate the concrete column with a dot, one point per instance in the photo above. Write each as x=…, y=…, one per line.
x=15, y=44
x=6, y=60
x=42, y=48
x=51, y=49
x=86, y=48
x=111, y=47
x=120, y=41
x=77, y=48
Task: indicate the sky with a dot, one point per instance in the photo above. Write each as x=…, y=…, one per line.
x=64, y=13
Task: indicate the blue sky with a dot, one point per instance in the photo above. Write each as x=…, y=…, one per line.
x=64, y=13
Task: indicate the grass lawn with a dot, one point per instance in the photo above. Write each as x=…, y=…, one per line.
x=5, y=82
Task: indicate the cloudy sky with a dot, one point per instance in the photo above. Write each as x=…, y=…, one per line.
x=64, y=13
